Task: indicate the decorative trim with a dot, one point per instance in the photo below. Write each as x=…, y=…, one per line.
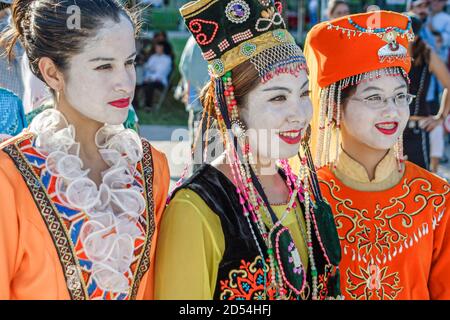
x=145, y=259
x=234, y=15
x=233, y=58
x=242, y=36
x=61, y=240
x=224, y=45
x=208, y=55
x=195, y=7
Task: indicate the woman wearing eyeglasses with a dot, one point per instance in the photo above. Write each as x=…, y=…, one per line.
x=391, y=215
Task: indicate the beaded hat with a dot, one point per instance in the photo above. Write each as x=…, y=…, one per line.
x=344, y=52
x=362, y=43
x=230, y=32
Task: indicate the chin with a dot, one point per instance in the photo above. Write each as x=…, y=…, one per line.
x=116, y=118
x=380, y=145
x=289, y=152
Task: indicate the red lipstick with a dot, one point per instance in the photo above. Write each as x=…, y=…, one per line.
x=387, y=128
x=291, y=137
x=121, y=104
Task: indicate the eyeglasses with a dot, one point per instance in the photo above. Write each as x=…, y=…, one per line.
x=401, y=100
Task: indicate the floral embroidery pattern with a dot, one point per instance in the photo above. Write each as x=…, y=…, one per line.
x=373, y=283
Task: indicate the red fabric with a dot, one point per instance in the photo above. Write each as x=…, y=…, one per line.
x=395, y=243
x=339, y=56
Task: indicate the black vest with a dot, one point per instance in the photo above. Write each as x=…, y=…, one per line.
x=243, y=273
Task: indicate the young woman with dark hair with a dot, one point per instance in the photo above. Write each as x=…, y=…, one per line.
x=81, y=197
x=391, y=215
x=244, y=227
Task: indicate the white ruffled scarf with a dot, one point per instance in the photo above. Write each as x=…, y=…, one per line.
x=108, y=237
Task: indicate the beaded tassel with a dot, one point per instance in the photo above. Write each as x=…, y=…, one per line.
x=305, y=180
x=338, y=122
x=323, y=99
x=329, y=121
x=399, y=153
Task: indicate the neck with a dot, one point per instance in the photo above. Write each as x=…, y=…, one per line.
x=85, y=129
x=368, y=157
x=265, y=168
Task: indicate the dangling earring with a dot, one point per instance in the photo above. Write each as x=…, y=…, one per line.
x=398, y=149
x=230, y=97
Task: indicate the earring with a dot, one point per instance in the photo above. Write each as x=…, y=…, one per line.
x=398, y=149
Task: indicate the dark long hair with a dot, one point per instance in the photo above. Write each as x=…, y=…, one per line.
x=420, y=52
x=47, y=28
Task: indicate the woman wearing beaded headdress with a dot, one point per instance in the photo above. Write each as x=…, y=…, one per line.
x=392, y=216
x=81, y=196
x=245, y=227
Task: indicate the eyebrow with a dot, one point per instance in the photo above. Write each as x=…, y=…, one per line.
x=371, y=88
x=401, y=87
x=379, y=89
x=109, y=59
x=284, y=88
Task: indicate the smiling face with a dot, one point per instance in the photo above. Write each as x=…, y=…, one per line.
x=100, y=81
x=277, y=114
x=375, y=125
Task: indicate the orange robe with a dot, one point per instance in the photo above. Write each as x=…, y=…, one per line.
x=394, y=230
x=35, y=263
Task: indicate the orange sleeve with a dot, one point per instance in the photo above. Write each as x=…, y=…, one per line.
x=439, y=280
x=161, y=182
x=9, y=227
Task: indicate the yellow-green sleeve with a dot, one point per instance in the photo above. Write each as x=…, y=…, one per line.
x=190, y=247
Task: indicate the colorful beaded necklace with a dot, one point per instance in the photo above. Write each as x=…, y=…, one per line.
x=255, y=203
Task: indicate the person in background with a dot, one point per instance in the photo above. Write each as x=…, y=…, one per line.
x=337, y=9
x=420, y=8
x=161, y=36
x=422, y=121
x=12, y=117
x=156, y=72
x=194, y=72
x=436, y=33
x=313, y=12
x=10, y=74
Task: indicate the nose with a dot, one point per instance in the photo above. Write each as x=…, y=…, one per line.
x=300, y=111
x=125, y=81
x=391, y=110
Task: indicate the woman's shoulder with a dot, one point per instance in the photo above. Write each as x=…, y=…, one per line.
x=324, y=173
x=159, y=158
x=413, y=172
x=189, y=203
x=9, y=172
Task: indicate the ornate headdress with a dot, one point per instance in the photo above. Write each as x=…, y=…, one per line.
x=344, y=52
x=229, y=33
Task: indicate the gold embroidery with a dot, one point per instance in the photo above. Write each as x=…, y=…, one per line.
x=373, y=282
x=379, y=229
